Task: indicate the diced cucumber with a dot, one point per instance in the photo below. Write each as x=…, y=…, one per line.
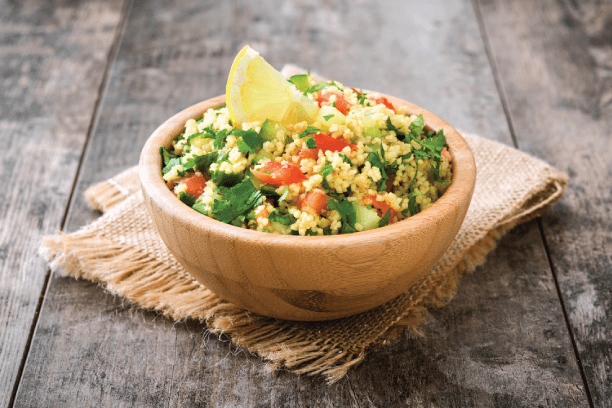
x=370, y=127
x=260, y=155
x=268, y=130
x=283, y=229
x=258, y=184
x=367, y=217
x=328, y=115
x=300, y=82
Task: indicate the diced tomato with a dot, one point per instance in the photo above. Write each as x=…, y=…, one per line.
x=381, y=207
x=325, y=143
x=195, y=185
x=385, y=102
x=279, y=174
x=341, y=104
x=315, y=199
x=308, y=154
x=356, y=91
x=445, y=152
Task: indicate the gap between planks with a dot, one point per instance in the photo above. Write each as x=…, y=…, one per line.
x=506, y=108
x=112, y=56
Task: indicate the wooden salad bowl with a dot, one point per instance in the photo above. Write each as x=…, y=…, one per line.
x=313, y=277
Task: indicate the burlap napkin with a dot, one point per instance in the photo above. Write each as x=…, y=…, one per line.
x=123, y=252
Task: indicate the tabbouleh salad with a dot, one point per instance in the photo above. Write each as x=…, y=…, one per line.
x=362, y=164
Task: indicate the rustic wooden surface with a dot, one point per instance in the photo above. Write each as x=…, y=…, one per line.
x=53, y=57
x=531, y=327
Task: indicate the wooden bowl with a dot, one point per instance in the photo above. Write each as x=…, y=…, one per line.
x=313, y=277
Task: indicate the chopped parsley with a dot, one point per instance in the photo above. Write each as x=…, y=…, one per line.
x=236, y=202
x=220, y=138
x=311, y=143
x=187, y=198
x=309, y=131
x=345, y=159
x=251, y=141
x=385, y=219
x=316, y=87
x=166, y=156
x=328, y=117
x=347, y=212
x=281, y=217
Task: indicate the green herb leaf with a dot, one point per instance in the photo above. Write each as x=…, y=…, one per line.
x=328, y=117
x=385, y=219
x=390, y=126
x=220, y=107
x=220, y=139
x=236, y=202
x=311, y=143
x=417, y=125
x=326, y=170
x=251, y=141
x=173, y=162
x=201, y=163
x=309, y=131
x=283, y=196
x=413, y=207
x=281, y=217
x=317, y=87
x=345, y=159
x=300, y=82
x=187, y=198
x=374, y=160
x=362, y=98
x=166, y=156
x=346, y=210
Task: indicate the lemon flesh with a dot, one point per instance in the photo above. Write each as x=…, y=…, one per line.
x=256, y=92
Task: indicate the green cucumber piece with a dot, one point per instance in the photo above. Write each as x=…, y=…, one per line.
x=367, y=217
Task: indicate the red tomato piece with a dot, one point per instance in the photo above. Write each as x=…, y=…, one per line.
x=315, y=199
x=385, y=102
x=445, y=152
x=279, y=174
x=195, y=185
x=325, y=143
x=308, y=154
x=381, y=207
x=341, y=104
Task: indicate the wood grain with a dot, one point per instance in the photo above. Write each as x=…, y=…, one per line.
x=90, y=349
x=554, y=60
x=498, y=343
x=52, y=61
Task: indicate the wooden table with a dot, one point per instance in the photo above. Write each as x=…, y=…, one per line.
x=84, y=83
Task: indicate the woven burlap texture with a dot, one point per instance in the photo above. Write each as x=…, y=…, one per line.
x=123, y=251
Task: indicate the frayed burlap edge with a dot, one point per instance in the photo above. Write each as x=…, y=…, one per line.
x=148, y=283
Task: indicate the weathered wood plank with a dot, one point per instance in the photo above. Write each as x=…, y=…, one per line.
x=554, y=60
x=89, y=349
x=500, y=342
x=52, y=62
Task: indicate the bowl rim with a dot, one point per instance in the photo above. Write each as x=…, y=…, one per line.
x=464, y=176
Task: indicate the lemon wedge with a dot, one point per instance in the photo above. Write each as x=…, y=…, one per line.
x=256, y=91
